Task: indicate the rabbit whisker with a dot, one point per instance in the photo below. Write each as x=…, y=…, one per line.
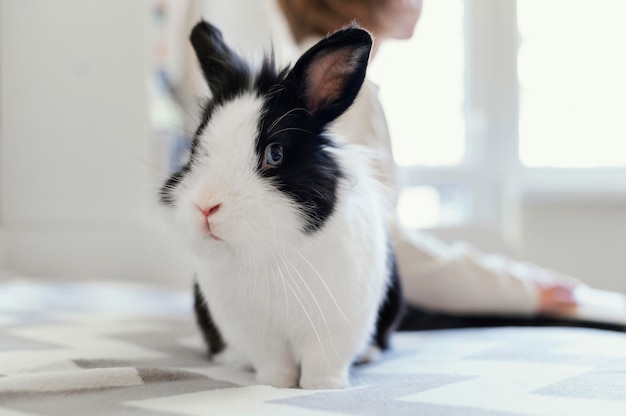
x=269, y=130
x=306, y=313
x=330, y=293
x=267, y=306
x=323, y=315
x=287, y=129
x=269, y=217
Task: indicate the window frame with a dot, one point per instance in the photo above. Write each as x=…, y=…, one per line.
x=492, y=171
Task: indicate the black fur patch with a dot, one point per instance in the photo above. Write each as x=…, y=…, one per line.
x=309, y=174
x=392, y=308
x=209, y=330
x=165, y=194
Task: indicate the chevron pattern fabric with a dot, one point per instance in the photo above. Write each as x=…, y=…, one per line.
x=110, y=349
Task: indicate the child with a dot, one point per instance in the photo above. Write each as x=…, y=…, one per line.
x=451, y=279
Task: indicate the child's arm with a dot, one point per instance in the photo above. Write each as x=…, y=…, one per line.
x=459, y=279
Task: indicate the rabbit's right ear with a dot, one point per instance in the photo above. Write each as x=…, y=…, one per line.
x=225, y=72
x=330, y=74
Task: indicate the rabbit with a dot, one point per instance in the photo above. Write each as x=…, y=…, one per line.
x=295, y=276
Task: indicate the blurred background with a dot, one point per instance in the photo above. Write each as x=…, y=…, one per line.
x=508, y=122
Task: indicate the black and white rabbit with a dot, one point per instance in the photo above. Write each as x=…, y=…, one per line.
x=295, y=277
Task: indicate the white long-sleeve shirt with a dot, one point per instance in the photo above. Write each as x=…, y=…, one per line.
x=453, y=278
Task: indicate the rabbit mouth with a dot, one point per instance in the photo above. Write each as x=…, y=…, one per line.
x=209, y=232
x=213, y=236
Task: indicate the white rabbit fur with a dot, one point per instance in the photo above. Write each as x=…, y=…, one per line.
x=296, y=304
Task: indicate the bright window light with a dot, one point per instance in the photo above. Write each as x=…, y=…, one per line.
x=419, y=207
x=422, y=88
x=428, y=206
x=571, y=67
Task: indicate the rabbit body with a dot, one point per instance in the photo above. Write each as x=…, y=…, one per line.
x=303, y=302
x=287, y=227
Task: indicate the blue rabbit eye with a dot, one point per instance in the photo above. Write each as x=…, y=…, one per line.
x=273, y=155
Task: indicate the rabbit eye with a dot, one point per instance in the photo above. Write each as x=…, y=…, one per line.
x=273, y=155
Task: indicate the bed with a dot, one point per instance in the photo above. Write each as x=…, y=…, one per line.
x=106, y=348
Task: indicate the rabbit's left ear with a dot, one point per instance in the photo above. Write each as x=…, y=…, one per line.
x=331, y=73
x=225, y=72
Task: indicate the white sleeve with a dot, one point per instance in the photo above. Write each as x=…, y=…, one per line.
x=458, y=278
x=447, y=278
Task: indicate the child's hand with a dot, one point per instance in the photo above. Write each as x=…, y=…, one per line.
x=554, y=297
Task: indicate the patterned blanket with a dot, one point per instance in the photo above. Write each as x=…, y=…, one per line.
x=103, y=349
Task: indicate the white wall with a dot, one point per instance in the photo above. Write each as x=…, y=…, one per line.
x=579, y=233
x=80, y=164
x=1, y=232
x=242, y=22
x=76, y=166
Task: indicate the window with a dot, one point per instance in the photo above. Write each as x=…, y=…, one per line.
x=429, y=206
x=492, y=93
x=572, y=83
x=422, y=88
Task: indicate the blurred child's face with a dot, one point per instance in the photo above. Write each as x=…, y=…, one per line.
x=386, y=19
x=397, y=18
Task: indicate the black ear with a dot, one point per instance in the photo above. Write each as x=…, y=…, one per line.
x=331, y=73
x=223, y=69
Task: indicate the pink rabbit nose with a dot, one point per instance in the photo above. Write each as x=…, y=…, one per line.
x=207, y=212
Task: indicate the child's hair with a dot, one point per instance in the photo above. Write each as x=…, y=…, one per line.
x=320, y=17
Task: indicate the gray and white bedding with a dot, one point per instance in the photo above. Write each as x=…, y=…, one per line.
x=110, y=349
